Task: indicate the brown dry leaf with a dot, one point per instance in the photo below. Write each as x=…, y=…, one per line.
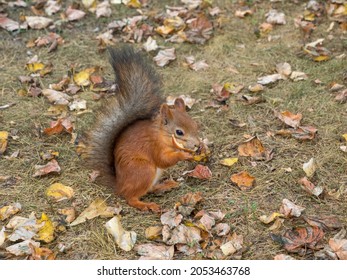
x=276, y=225
x=250, y=100
x=289, y=209
x=191, y=199
x=125, y=239
x=268, y=219
x=52, y=7
x=59, y=192
x=222, y=229
x=196, y=65
x=188, y=101
x=68, y=213
x=36, y=22
x=324, y=222
x=289, y=118
x=341, y=97
x=316, y=50
x=153, y=233
x=237, y=123
x=339, y=246
x=298, y=76
x=310, y=188
x=171, y=219
x=199, y=29
x=253, y=148
x=200, y=172
x=3, y=141
x=41, y=253
x=56, y=97
x=22, y=248
x=46, y=231
x=206, y=222
x=59, y=126
x=9, y=210
x=301, y=133
x=10, y=25
x=74, y=14
x=50, y=167
x=245, y=11
x=49, y=39
x=155, y=252
x=243, y=180
x=232, y=246
x=164, y=57
x=171, y=25
x=299, y=239
x=97, y=208
x=184, y=235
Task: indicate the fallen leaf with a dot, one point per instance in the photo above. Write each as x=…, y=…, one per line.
x=3, y=141
x=153, y=233
x=341, y=97
x=82, y=78
x=222, y=229
x=35, y=67
x=97, y=208
x=46, y=232
x=124, y=239
x=256, y=88
x=324, y=222
x=245, y=11
x=150, y=45
x=309, y=167
x=74, y=14
x=103, y=9
x=339, y=246
x=289, y=209
x=184, y=235
x=206, y=222
x=289, y=118
x=298, y=76
x=22, y=248
x=41, y=253
x=50, y=167
x=78, y=105
x=269, y=79
x=300, y=133
x=52, y=7
x=237, y=123
x=201, y=172
x=268, y=219
x=310, y=188
x=283, y=257
x=253, y=148
x=56, y=97
x=171, y=219
x=9, y=210
x=199, y=30
x=59, y=192
x=196, y=65
x=275, y=17
x=191, y=199
x=164, y=57
x=36, y=22
x=232, y=246
x=299, y=239
x=228, y=161
x=276, y=225
x=68, y=213
x=284, y=69
x=2, y=236
x=59, y=126
x=155, y=252
x=243, y=180
x=9, y=24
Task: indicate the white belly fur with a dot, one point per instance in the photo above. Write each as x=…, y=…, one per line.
x=158, y=174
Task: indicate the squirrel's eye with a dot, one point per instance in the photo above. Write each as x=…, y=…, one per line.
x=179, y=132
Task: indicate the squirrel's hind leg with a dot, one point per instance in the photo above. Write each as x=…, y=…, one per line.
x=164, y=186
x=137, y=183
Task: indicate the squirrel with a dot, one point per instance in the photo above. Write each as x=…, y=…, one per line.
x=136, y=136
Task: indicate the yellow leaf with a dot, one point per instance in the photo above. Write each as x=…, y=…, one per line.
x=343, y=135
x=46, y=232
x=229, y=161
x=268, y=219
x=134, y=4
x=3, y=141
x=309, y=167
x=9, y=210
x=82, y=78
x=321, y=58
x=59, y=192
x=35, y=67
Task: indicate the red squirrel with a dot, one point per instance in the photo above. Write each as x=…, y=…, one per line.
x=137, y=135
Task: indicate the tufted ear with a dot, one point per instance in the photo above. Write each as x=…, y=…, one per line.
x=165, y=113
x=180, y=105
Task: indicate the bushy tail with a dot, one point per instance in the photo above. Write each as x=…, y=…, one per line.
x=138, y=97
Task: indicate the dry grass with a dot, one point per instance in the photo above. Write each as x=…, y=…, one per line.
x=234, y=45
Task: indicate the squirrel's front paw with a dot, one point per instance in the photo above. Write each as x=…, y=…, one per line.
x=187, y=156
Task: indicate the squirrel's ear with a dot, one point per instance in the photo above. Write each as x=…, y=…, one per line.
x=180, y=105
x=165, y=113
